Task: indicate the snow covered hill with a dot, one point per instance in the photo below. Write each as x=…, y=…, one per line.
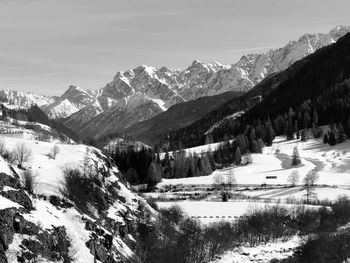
x=45, y=226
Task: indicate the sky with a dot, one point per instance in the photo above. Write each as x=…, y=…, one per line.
x=47, y=45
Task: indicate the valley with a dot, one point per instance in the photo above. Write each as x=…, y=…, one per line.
x=242, y=162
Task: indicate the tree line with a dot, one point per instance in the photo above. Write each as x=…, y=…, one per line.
x=146, y=166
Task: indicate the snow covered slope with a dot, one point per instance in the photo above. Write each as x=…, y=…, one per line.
x=49, y=227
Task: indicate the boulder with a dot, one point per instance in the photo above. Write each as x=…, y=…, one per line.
x=8, y=180
x=7, y=215
x=23, y=226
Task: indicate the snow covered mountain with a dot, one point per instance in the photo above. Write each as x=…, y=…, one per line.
x=148, y=91
x=163, y=87
x=24, y=99
x=73, y=100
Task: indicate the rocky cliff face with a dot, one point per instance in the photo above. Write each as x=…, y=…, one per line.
x=48, y=226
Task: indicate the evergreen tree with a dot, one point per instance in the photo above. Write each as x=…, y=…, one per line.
x=238, y=156
x=290, y=130
x=325, y=139
x=306, y=119
x=295, y=157
x=154, y=175
x=255, y=147
x=348, y=127
x=261, y=145
x=315, y=118
x=270, y=134
x=331, y=139
x=341, y=133
x=296, y=129
x=206, y=164
x=303, y=136
x=218, y=158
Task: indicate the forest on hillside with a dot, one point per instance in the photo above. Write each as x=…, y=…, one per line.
x=318, y=84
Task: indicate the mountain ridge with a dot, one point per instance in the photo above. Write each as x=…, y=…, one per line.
x=162, y=88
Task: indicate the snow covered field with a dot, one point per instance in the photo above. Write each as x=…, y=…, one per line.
x=332, y=164
x=273, y=168
x=262, y=253
x=47, y=170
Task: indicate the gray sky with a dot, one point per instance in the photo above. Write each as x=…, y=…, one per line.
x=46, y=45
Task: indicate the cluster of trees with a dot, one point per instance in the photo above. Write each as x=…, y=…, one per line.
x=175, y=238
x=137, y=166
x=336, y=134
x=145, y=166
x=20, y=155
x=231, y=152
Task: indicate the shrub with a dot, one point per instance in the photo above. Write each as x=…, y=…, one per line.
x=54, y=151
x=82, y=190
x=325, y=248
x=29, y=181
x=2, y=147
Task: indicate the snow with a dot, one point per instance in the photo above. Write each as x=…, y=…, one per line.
x=4, y=167
x=262, y=253
x=160, y=103
x=62, y=109
x=48, y=176
x=47, y=215
x=6, y=203
x=48, y=171
x=331, y=162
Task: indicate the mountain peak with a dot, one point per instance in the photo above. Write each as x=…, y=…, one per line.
x=339, y=31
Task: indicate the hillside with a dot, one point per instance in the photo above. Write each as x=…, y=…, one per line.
x=318, y=77
x=44, y=224
x=178, y=116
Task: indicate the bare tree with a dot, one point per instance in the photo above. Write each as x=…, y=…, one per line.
x=293, y=178
x=54, y=151
x=309, y=181
x=231, y=179
x=218, y=179
x=22, y=154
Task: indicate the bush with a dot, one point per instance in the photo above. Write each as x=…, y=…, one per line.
x=2, y=147
x=325, y=248
x=54, y=151
x=82, y=190
x=29, y=181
